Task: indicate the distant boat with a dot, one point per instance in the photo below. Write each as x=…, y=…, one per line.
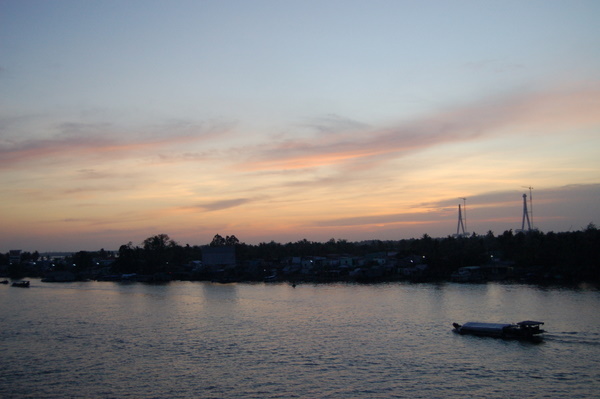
x=525, y=330
x=22, y=284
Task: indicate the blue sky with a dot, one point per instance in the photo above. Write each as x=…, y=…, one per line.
x=284, y=120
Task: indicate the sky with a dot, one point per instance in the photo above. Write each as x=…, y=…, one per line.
x=288, y=120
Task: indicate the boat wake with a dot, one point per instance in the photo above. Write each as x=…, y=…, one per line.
x=574, y=337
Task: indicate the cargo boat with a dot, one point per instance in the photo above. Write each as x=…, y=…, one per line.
x=525, y=330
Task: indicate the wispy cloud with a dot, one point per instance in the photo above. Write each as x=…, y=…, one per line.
x=489, y=210
x=103, y=140
x=359, y=144
x=386, y=219
x=540, y=194
x=332, y=123
x=223, y=204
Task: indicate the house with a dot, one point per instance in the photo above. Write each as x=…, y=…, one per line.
x=218, y=258
x=14, y=256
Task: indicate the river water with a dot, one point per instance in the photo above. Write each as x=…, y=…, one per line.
x=204, y=340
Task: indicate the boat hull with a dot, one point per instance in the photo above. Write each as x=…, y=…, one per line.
x=524, y=331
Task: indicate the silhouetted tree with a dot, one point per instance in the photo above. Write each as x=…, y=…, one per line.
x=217, y=241
x=231, y=240
x=129, y=260
x=158, y=251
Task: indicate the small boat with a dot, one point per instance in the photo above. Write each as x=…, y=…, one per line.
x=525, y=330
x=22, y=284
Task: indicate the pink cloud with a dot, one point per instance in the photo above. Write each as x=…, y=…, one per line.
x=349, y=143
x=76, y=140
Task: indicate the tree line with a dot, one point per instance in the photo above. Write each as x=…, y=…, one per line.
x=572, y=256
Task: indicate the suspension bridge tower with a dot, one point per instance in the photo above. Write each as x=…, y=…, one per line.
x=461, y=224
x=525, y=215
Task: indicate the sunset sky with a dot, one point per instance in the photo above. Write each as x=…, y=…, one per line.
x=284, y=120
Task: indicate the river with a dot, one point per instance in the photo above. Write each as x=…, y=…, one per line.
x=205, y=340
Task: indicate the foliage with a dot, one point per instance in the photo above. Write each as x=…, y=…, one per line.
x=219, y=241
x=569, y=256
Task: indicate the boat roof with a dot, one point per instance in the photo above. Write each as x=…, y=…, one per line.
x=530, y=323
x=474, y=324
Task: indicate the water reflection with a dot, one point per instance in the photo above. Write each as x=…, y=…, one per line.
x=257, y=340
x=219, y=292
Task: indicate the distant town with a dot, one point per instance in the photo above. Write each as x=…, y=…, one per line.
x=524, y=256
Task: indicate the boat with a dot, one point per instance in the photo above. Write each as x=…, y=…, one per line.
x=4, y=282
x=527, y=330
x=22, y=284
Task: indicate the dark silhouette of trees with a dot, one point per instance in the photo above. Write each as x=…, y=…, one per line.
x=30, y=256
x=563, y=257
x=158, y=254
x=219, y=241
x=231, y=240
x=567, y=257
x=159, y=250
x=129, y=259
x=83, y=261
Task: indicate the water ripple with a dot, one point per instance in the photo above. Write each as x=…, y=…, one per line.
x=181, y=340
